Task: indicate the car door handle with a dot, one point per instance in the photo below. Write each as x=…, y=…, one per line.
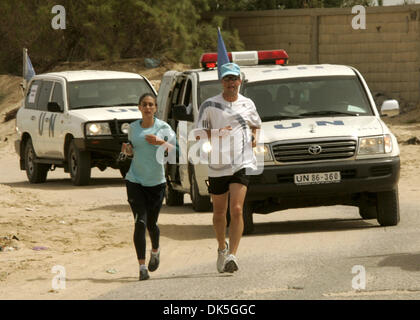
x=33, y=118
x=47, y=119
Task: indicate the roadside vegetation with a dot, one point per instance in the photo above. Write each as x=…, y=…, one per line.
x=108, y=30
x=98, y=30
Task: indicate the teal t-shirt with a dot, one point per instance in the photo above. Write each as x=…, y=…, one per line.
x=147, y=166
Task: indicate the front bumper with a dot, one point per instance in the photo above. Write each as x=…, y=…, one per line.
x=104, y=151
x=276, y=183
x=106, y=145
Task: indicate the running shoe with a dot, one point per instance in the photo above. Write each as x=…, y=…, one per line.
x=154, y=261
x=144, y=274
x=231, y=264
x=221, y=256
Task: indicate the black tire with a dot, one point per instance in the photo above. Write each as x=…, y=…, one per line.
x=173, y=197
x=388, y=208
x=247, y=214
x=368, y=212
x=36, y=172
x=79, y=165
x=199, y=203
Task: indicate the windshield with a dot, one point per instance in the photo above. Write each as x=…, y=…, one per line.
x=105, y=93
x=308, y=97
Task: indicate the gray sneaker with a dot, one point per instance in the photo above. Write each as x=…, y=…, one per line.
x=154, y=261
x=231, y=264
x=221, y=256
x=144, y=275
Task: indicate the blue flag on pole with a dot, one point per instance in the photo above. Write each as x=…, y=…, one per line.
x=30, y=72
x=222, y=56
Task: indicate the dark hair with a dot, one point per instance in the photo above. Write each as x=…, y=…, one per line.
x=147, y=94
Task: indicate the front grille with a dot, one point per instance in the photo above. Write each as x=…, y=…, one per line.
x=331, y=149
x=115, y=125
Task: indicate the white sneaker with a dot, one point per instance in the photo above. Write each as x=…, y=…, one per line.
x=221, y=257
x=231, y=264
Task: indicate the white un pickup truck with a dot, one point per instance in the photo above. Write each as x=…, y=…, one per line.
x=324, y=142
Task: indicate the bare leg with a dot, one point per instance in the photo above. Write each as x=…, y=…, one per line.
x=237, y=198
x=220, y=204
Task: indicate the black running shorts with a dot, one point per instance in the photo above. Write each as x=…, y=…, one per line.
x=220, y=185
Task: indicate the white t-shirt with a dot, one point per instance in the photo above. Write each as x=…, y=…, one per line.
x=233, y=151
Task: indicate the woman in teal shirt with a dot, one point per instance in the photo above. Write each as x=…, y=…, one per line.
x=149, y=138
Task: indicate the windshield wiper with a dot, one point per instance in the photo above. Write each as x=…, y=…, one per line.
x=327, y=113
x=125, y=104
x=279, y=117
x=104, y=106
x=92, y=106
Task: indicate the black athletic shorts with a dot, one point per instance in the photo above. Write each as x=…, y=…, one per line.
x=220, y=185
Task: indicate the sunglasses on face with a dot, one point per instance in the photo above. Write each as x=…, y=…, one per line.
x=231, y=78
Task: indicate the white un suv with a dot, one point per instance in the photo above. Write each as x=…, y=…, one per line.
x=77, y=120
x=324, y=142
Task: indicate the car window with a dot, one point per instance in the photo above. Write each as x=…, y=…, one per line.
x=57, y=95
x=44, y=95
x=187, y=95
x=33, y=94
x=177, y=93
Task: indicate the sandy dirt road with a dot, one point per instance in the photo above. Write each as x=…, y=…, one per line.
x=88, y=231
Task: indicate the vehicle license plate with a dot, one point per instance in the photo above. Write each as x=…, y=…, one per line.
x=317, y=178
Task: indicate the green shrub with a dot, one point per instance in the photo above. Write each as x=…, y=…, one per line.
x=107, y=30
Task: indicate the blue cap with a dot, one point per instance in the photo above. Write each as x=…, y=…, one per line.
x=230, y=69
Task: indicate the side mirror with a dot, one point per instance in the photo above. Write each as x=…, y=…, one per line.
x=54, y=107
x=179, y=113
x=390, y=107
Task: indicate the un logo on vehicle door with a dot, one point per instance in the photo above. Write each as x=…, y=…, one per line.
x=314, y=150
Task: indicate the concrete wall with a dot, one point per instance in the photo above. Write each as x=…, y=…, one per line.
x=387, y=52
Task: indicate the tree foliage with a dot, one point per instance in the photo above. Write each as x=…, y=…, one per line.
x=115, y=29
x=107, y=29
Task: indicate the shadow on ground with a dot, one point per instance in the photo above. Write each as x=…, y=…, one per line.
x=66, y=184
x=404, y=261
x=312, y=226
x=199, y=232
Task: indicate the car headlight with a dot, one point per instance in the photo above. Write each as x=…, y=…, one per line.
x=124, y=127
x=97, y=129
x=375, y=145
x=388, y=143
x=263, y=151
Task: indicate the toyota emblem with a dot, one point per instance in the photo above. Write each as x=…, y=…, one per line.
x=314, y=150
